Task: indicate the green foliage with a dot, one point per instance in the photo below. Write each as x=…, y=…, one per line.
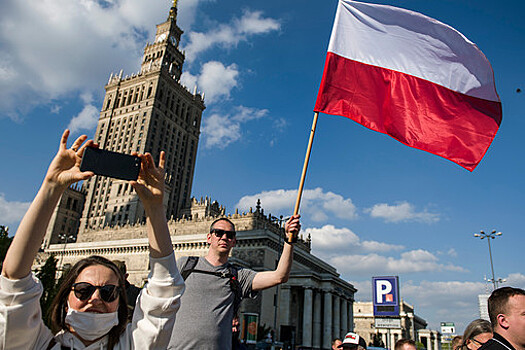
x=47, y=276
x=5, y=242
x=419, y=345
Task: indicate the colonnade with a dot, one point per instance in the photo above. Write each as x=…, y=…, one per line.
x=327, y=314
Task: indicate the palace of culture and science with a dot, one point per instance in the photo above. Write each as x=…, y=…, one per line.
x=150, y=111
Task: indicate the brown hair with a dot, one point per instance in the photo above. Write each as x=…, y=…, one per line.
x=57, y=313
x=474, y=329
x=498, y=302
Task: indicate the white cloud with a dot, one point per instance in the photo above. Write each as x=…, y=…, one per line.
x=221, y=130
x=515, y=280
x=401, y=212
x=229, y=35
x=86, y=120
x=418, y=260
x=316, y=204
x=344, y=240
x=61, y=47
x=215, y=80
x=12, y=212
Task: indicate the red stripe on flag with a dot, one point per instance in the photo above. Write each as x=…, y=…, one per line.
x=412, y=110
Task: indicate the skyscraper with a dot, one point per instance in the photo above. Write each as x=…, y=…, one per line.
x=149, y=111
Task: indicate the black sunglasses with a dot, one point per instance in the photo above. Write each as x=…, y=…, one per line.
x=219, y=233
x=84, y=291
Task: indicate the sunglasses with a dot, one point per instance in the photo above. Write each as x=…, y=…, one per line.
x=477, y=342
x=219, y=233
x=84, y=291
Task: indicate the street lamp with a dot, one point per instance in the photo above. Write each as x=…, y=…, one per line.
x=488, y=236
x=64, y=239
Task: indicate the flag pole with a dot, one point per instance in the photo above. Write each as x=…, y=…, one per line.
x=292, y=239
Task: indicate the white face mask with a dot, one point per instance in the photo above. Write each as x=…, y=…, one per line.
x=90, y=325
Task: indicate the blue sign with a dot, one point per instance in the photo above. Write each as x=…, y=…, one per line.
x=385, y=296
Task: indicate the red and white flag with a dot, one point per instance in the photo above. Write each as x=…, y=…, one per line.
x=412, y=77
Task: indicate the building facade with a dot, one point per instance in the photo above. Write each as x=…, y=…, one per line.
x=412, y=327
x=149, y=111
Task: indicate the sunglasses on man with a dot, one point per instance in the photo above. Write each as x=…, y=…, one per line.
x=84, y=290
x=219, y=233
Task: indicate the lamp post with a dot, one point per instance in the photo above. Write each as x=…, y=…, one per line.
x=489, y=236
x=65, y=239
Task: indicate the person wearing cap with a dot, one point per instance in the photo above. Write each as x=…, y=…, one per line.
x=208, y=307
x=353, y=341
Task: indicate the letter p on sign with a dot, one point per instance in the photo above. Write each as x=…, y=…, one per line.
x=383, y=288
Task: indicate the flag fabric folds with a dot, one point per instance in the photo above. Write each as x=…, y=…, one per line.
x=412, y=77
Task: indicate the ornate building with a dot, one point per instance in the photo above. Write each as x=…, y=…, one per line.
x=147, y=112
x=151, y=111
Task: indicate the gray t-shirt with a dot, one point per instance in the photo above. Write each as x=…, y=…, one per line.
x=204, y=320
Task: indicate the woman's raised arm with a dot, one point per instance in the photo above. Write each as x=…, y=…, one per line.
x=63, y=171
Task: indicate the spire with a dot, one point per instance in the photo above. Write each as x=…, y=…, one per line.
x=173, y=11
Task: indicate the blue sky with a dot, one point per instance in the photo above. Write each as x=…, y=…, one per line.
x=372, y=205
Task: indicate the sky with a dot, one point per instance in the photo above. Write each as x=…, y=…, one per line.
x=373, y=206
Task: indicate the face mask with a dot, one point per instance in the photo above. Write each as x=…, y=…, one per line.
x=90, y=325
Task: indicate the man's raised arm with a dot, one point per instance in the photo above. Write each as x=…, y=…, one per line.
x=267, y=279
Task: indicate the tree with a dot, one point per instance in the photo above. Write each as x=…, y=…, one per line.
x=47, y=276
x=5, y=242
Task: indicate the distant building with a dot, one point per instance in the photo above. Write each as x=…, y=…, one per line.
x=411, y=327
x=63, y=226
x=483, y=306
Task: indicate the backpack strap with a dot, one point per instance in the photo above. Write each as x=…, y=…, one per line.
x=236, y=288
x=232, y=275
x=189, y=266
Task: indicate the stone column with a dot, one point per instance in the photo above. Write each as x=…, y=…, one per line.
x=337, y=317
x=350, y=315
x=344, y=317
x=307, y=317
x=284, y=306
x=327, y=326
x=317, y=320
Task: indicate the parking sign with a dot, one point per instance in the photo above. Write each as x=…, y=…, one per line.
x=385, y=296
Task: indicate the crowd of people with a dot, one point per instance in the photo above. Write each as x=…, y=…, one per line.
x=189, y=303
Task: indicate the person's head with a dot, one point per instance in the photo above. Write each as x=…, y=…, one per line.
x=222, y=236
x=405, y=344
x=507, y=314
x=353, y=341
x=456, y=342
x=77, y=292
x=335, y=343
x=477, y=333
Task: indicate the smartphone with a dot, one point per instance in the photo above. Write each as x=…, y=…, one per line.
x=112, y=164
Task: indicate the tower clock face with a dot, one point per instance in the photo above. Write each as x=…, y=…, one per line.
x=161, y=37
x=173, y=40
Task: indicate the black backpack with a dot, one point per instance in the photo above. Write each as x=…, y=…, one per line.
x=232, y=274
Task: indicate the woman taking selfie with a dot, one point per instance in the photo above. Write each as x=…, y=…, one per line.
x=89, y=311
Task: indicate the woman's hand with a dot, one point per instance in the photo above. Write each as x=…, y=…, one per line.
x=65, y=167
x=150, y=183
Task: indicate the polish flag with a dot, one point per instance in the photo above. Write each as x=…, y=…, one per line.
x=412, y=77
